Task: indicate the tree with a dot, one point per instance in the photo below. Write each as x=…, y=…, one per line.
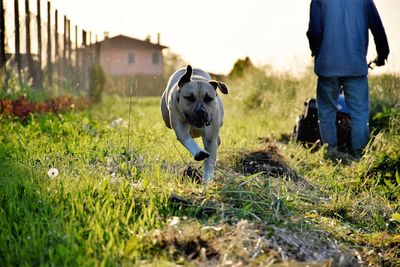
x=241, y=67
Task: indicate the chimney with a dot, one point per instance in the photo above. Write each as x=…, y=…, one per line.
x=158, y=38
x=148, y=38
x=106, y=34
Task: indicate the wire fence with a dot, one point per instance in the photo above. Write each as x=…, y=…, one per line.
x=42, y=47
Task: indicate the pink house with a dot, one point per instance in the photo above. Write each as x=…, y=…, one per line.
x=126, y=60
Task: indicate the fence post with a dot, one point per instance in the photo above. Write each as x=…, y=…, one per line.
x=69, y=44
x=39, y=29
x=17, y=40
x=97, y=52
x=85, y=68
x=69, y=74
x=64, y=54
x=56, y=47
x=3, y=58
x=29, y=58
x=76, y=48
x=49, y=63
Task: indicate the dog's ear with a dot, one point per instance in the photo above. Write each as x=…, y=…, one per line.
x=222, y=87
x=186, y=77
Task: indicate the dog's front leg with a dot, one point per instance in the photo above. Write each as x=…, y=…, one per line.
x=210, y=145
x=182, y=134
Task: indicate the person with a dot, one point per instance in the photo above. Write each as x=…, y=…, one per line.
x=338, y=38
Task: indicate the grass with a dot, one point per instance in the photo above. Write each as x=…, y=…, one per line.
x=115, y=203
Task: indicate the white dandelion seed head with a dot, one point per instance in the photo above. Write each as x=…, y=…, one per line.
x=53, y=172
x=117, y=122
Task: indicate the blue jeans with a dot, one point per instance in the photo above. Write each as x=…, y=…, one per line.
x=357, y=101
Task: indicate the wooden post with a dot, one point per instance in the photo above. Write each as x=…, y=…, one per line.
x=83, y=38
x=90, y=50
x=17, y=40
x=69, y=44
x=64, y=54
x=56, y=47
x=77, y=69
x=97, y=51
x=84, y=68
x=3, y=57
x=29, y=59
x=39, y=32
x=76, y=48
x=49, y=63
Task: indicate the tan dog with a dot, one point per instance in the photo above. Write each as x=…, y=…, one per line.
x=191, y=107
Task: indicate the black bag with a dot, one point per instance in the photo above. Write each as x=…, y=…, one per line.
x=343, y=130
x=306, y=129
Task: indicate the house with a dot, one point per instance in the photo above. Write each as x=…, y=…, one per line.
x=132, y=62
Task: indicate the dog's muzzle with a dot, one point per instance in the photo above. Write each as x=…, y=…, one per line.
x=198, y=122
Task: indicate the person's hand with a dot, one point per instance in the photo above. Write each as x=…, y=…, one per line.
x=379, y=61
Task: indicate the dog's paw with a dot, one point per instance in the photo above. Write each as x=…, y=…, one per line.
x=201, y=155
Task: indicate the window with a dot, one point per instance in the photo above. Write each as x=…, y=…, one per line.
x=131, y=58
x=155, y=58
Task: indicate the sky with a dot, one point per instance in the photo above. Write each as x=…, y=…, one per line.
x=213, y=34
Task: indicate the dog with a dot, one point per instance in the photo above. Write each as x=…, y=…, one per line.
x=191, y=107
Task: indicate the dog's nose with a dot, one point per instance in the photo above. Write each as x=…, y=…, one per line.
x=200, y=112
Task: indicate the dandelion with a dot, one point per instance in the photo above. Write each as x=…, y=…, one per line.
x=53, y=172
x=117, y=122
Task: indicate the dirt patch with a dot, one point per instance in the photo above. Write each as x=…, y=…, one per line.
x=311, y=246
x=193, y=249
x=267, y=160
x=183, y=241
x=193, y=174
x=249, y=244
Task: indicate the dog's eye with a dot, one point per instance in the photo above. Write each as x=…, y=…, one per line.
x=208, y=99
x=190, y=98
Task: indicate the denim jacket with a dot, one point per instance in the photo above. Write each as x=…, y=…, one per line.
x=338, y=36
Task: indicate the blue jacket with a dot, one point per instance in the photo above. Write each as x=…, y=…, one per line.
x=338, y=36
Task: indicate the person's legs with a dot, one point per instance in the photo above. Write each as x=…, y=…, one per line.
x=327, y=96
x=357, y=101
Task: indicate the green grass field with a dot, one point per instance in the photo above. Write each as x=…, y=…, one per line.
x=123, y=195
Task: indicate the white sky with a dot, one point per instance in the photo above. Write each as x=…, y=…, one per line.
x=213, y=34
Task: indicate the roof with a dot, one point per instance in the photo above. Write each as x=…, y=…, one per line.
x=122, y=41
